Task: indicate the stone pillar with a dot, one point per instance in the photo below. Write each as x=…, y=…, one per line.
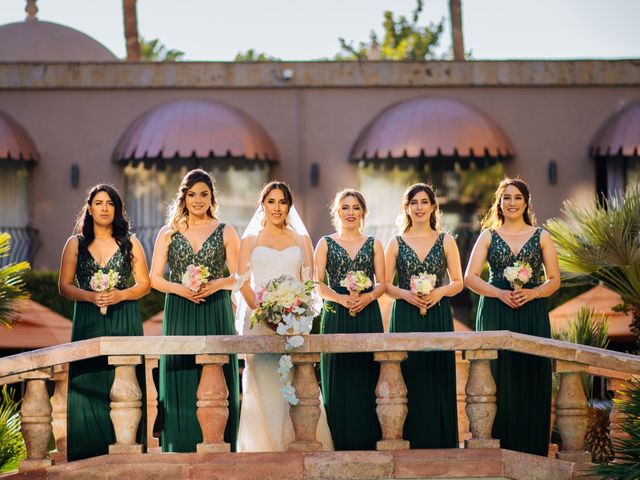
x=481, y=399
x=36, y=421
x=126, y=403
x=462, y=375
x=306, y=413
x=391, y=393
x=59, y=405
x=213, y=403
x=617, y=387
x=150, y=364
x=571, y=412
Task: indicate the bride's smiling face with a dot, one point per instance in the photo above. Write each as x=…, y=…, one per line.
x=275, y=207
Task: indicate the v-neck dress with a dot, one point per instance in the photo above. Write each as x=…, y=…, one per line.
x=179, y=374
x=432, y=420
x=89, y=427
x=349, y=379
x=523, y=381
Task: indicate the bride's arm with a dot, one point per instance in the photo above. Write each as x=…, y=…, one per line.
x=243, y=272
x=320, y=261
x=307, y=257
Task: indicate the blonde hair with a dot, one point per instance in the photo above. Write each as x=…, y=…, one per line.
x=177, y=213
x=404, y=222
x=339, y=198
x=494, y=217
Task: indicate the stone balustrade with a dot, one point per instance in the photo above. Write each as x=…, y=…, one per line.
x=390, y=350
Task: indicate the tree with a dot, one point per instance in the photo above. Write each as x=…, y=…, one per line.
x=601, y=241
x=11, y=284
x=130, y=18
x=155, y=50
x=252, y=55
x=403, y=40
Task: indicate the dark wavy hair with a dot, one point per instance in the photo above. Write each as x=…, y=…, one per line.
x=494, y=218
x=120, y=226
x=404, y=221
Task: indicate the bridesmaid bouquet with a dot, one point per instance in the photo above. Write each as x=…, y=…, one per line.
x=104, y=282
x=286, y=306
x=421, y=285
x=518, y=274
x=195, y=276
x=356, y=282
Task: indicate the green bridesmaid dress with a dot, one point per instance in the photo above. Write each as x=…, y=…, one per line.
x=523, y=381
x=349, y=379
x=179, y=374
x=432, y=421
x=89, y=427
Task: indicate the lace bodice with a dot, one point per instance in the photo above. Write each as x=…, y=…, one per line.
x=339, y=263
x=212, y=254
x=268, y=263
x=409, y=264
x=87, y=266
x=501, y=256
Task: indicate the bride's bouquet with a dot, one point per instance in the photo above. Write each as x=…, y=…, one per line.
x=195, y=276
x=104, y=282
x=286, y=306
x=421, y=285
x=356, y=282
x=518, y=274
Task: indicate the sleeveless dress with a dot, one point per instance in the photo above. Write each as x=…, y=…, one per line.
x=89, y=427
x=179, y=374
x=523, y=381
x=432, y=421
x=265, y=424
x=349, y=379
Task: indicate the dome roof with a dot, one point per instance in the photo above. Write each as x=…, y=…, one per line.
x=38, y=41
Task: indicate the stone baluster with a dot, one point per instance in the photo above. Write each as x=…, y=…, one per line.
x=617, y=387
x=462, y=375
x=36, y=420
x=213, y=403
x=150, y=364
x=126, y=403
x=571, y=412
x=391, y=401
x=481, y=399
x=59, y=405
x=306, y=413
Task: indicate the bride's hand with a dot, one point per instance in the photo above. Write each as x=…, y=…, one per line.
x=184, y=292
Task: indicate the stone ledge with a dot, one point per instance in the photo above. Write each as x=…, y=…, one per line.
x=436, y=463
x=194, y=75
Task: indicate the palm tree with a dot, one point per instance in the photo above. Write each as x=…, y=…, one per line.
x=130, y=16
x=455, y=11
x=11, y=284
x=602, y=242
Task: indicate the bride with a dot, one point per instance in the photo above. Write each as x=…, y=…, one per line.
x=270, y=247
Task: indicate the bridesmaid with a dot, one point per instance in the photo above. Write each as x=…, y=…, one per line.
x=349, y=379
x=194, y=236
x=102, y=241
x=432, y=421
x=523, y=381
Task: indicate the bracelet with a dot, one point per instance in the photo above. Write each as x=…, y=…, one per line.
x=539, y=290
x=371, y=296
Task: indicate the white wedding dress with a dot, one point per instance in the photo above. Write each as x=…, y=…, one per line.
x=265, y=425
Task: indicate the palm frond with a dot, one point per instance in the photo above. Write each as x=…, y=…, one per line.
x=12, y=448
x=12, y=287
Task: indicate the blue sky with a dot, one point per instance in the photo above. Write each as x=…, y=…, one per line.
x=307, y=30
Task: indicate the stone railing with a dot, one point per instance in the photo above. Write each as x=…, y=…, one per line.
x=40, y=418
